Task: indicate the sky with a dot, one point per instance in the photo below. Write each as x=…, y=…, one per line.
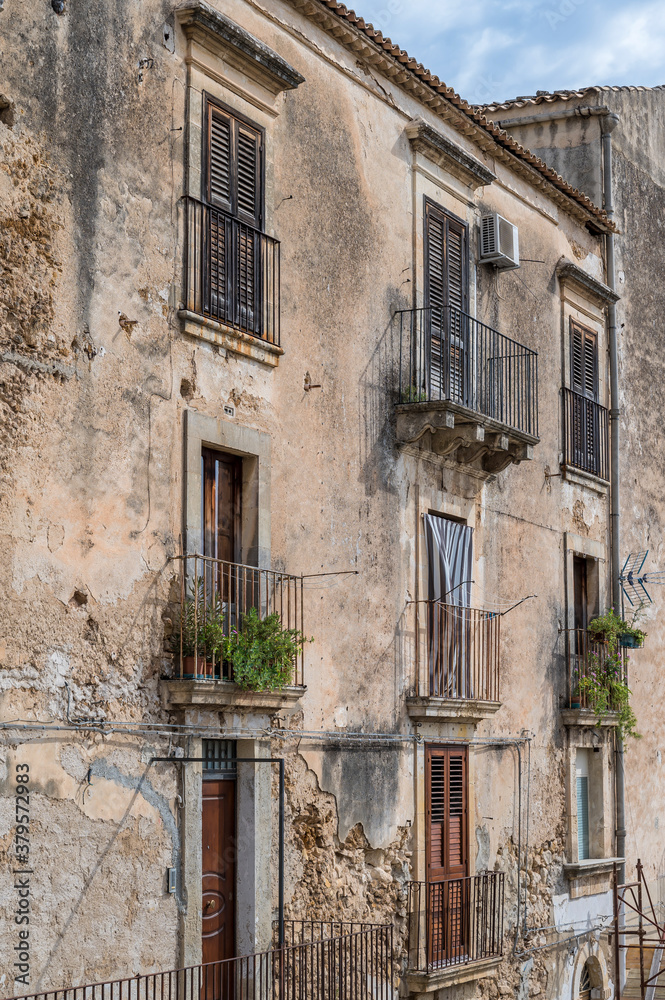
x=497, y=49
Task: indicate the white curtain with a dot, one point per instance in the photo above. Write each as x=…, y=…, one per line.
x=449, y=562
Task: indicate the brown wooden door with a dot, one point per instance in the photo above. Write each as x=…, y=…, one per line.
x=447, y=853
x=221, y=504
x=218, y=887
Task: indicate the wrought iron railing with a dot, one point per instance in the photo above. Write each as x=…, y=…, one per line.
x=458, y=655
x=354, y=965
x=215, y=597
x=446, y=354
x=456, y=921
x=593, y=660
x=585, y=435
x=231, y=272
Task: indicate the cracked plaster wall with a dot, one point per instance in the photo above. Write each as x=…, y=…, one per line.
x=94, y=380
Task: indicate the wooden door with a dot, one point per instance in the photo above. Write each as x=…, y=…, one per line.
x=218, y=887
x=447, y=853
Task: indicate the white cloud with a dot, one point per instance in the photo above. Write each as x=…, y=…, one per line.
x=491, y=49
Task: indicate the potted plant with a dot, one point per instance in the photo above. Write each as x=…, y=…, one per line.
x=199, y=634
x=611, y=628
x=262, y=653
x=603, y=685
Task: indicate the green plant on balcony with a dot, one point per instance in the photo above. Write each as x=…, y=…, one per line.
x=262, y=653
x=414, y=395
x=612, y=629
x=198, y=634
x=603, y=684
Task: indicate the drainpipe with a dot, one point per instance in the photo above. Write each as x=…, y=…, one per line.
x=607, y=124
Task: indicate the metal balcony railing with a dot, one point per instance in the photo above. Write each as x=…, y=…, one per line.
x=231, y=272
x=589, y=658
x=215, y=595
x=446, y=354
x=353, y=964
x=585, y=435
x=461, y=658
x=456, y=921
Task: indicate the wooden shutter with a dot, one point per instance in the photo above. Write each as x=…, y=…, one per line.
x=234, y=166
x=446, y=284
x=584, y=361
x=446, y=808
x=582, y=789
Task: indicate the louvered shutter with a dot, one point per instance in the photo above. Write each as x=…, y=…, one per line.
x=233, y=185
x=584, y=381
x=582, y=789
x=446, y=813
x=446, y=285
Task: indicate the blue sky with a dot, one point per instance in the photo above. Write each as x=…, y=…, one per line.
x=496, y=49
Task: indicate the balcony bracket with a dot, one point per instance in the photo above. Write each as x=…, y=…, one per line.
x=476, y=442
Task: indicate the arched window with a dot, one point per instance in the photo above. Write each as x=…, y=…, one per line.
x=585, y=983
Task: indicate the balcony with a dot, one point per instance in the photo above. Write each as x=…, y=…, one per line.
x=585, y=656
x=585, y=436
x=320, y=959
x=465, y=391
x=455, y=930
x=214, y=599
x=457, y=664
x=232, y=283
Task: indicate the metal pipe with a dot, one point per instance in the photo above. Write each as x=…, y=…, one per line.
x=608, y=123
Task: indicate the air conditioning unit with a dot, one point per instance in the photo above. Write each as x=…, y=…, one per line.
x=499, y=242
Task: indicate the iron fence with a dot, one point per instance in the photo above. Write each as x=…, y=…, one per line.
x=446, y=354
x=456, y=921
x=589, y=659
x=215, y=597
x=458, y=654
x=585, y=435
x=354, y=965
x=232, y=272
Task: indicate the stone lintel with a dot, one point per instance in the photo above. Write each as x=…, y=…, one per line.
x=204, y=23
x=569, y=273
x=437, y=147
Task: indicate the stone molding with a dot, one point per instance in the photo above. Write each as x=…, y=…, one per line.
x=452, y=975
x=209, y=27
x=224, y=695
x=471, y=710
x=437, y=147
x=229, y=339
x=584, y=717
x=569, y=273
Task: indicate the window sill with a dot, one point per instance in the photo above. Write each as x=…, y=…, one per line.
x=423, y=709
x=450, y=975
x=582, y=478
x=221, y=695
x=230, y=339
x=585, y=717
x=591, y=877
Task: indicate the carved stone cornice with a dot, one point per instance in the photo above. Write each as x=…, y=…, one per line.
x=204, y=24
x=441, y=150
x=569, y=273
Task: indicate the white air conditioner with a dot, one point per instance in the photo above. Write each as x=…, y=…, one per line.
x=499, y=242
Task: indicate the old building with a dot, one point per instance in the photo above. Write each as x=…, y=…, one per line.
x=265, y=346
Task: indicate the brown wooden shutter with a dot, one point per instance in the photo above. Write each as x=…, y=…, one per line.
x=446, y=808
x=234, y=166
x=446, y=284
x=583, y=361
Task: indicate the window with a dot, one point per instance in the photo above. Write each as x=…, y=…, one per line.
x=582, y=794
x=232, y=266
x=446, y=302
x=585, y=983
x=219, y=758
x=585, y=432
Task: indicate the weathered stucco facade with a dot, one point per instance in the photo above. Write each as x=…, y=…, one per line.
x=116, y=379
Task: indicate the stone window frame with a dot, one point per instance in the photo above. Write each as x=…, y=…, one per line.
x=254, y=448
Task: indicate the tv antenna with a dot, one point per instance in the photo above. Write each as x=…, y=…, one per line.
x=635, y=580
